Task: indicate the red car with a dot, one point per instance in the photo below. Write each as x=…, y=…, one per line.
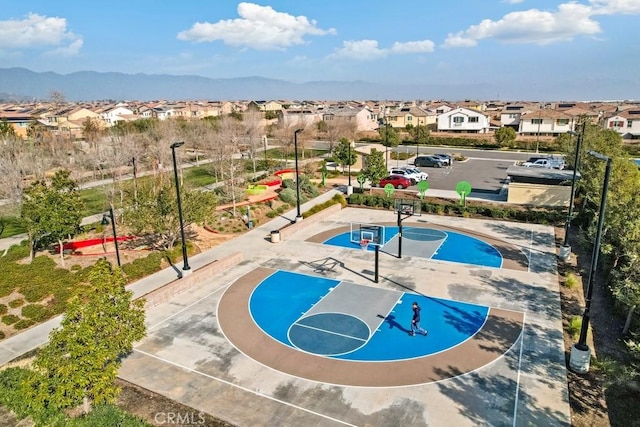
x=398, y=181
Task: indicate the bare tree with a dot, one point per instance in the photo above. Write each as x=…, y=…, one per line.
x=230, y=161
x=254, y=129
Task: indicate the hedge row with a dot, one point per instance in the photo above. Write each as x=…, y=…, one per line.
x=439, y=207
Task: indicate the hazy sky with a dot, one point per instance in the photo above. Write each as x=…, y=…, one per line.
x=531, y=48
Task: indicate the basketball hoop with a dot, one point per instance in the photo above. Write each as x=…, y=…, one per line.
x=364, y=243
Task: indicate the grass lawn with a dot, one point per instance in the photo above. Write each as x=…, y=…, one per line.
x=198, y=176
x=11, y=226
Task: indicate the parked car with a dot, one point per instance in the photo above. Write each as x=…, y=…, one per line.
x=431, y=161
x=446, y=159
x=398, y=181
x=415, y=175
x=548, y=163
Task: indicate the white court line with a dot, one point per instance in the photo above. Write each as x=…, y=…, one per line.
x=329, y=332
x=188, y=307
x=515, y=406
x=244, y=388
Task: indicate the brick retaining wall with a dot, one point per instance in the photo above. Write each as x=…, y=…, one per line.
x=162, y=294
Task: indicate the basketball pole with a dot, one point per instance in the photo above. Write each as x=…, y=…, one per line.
x=399, y=233
x=376, y=267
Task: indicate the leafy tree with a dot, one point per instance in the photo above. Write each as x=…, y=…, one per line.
x=344, y=154
x=7, y=132
x=389, y=136
x=154, y=212
x=505, y=136
x=52, y=210
x=375, y=168
x=83, y=356
x=419, y=134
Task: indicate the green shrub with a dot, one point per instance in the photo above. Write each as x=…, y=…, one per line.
x=571, y=281
x=36, y=312
x=574, y=326
x=3, y=309
x=337, y=199
x=76, y=267
x=11, y=391
x=288, y=195
x=16, y=303
x=10, y=319
x=142, y=267
x=107, y=415
x=23, y=324
x=2, y=335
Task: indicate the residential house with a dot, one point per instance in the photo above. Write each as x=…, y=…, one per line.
x=111, y=115
x=511, y=115
x=298, y=117
x=463, y=120
x=626, y=123
x=363, y=118
x=265, y=106
x=546, y=121
x=18, y=120
x=405, y=116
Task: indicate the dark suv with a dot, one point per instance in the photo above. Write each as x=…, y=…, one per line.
x=432, y=161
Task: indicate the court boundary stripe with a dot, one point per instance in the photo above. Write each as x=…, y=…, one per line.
x=515, y=404
x=328, y=332
x=243, y=388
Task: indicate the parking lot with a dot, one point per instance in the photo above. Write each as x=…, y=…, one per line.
x=485, y=171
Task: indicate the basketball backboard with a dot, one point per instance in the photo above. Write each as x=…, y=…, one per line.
x=411, y=207
x=373, y=233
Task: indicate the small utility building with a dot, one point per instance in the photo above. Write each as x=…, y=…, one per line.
x=539, y=186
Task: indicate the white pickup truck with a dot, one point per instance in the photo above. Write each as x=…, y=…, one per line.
x=550, y=163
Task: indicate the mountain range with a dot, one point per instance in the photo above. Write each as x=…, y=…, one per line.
x=23, y=84
x=20, y=84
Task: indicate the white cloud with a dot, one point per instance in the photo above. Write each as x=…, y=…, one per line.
x=423, y=46
x=259, y=27
x=37, y=31
x=360, y=49
x=615, y=7
x=71, y=50
x=369, y=49
x=531, y=26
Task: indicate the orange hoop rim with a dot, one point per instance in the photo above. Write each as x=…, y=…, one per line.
x=364, y=243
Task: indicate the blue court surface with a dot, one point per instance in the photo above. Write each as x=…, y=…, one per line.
x=446, y=245
x=359, y=323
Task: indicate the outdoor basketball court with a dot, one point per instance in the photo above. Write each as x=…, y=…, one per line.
x=301, y=333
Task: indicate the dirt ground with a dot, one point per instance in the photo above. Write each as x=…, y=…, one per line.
x=592, y=403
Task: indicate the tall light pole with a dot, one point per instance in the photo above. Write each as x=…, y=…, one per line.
x=539, y=123
x=386, y=144
x=566, y=248
x=295, y=147
x=417, y=137
x=580, y=352
x=185, y=264
x=105, y=222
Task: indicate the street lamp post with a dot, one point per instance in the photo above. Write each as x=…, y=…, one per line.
x=386, y=144
x=566, y=248
x=349, y=186
x=105, y=222
x=185, y=265
x=295, y=147
x=580, y=352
